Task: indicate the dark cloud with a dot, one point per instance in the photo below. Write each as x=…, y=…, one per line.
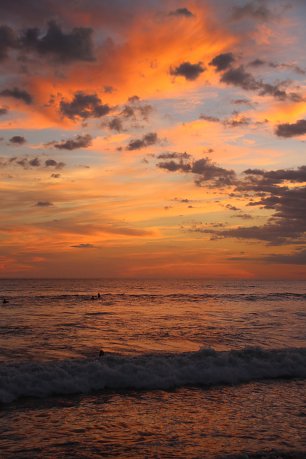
x=260, y=177
x=128, y=112
x=44, y=204
x=3, y=111
x=273, y=234
x=291, y=129
x=108, y=89
x=29, y=163
x=84, y=106
x=240, y=77
x=277, y=92
x=23, y=162
x=230, y=122
x=27, y=10
x=280, y=233
x=189, y=71
x=182, y=200
x=268, y=190
x=173, y=155
x=84, y=246
x=126, y=231
x=257, y=63
x=18, y=94
x=181, y=12
x=18, y=140
x=256, y=9
x=260, y=62
x=135, y=109
x=134, y=99
x=55, y=164
x=74, y=46
x=230, y=207
x=207, y=173
x=93, y=229
x=8, y=40
x=144, y=111
x=116, y=125
x=147, y=140
x=295, y=258
x=212, y=119
x=222, y=61
x=210, y=172
x=34, y=162
x=293, y=67
x=81, y=141
x=243, y=216
x=236, y=122
x=242, y=102
x=173, y=166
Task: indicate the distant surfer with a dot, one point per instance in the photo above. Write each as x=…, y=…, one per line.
x=101, y=353
x=5, y=301
x=99, y=296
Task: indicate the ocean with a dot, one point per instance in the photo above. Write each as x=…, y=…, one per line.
x=191, y=369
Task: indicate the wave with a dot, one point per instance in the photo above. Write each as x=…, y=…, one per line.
x=206, y=367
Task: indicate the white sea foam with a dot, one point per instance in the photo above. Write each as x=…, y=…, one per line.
x=148, y=372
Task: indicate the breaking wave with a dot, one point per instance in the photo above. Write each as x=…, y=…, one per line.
x=148, y=372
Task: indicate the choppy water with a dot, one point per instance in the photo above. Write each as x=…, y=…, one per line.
x=191, y=369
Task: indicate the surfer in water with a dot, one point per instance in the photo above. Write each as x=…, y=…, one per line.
x=101, y=353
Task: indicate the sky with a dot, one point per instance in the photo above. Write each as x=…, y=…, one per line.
x=153, y=139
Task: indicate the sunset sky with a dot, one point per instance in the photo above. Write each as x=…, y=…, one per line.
x=153, y=138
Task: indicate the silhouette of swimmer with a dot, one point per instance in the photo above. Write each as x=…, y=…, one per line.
x=5, y=301
x=101, y=353
x=93, y=297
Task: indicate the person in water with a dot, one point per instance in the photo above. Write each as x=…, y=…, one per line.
x=5, y=301
x=101, y=353
x=93, y=297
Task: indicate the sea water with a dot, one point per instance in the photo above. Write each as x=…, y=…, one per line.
x=191, y=369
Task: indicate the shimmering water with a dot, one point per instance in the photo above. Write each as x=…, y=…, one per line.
x=191, y=369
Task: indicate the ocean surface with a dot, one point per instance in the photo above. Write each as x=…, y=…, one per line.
x=191, y=369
